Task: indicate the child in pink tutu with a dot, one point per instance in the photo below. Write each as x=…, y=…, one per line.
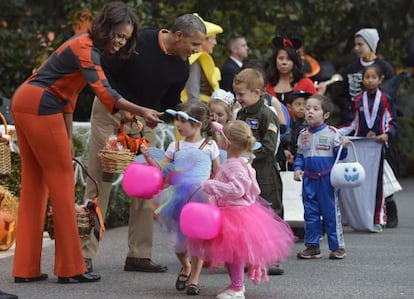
x=251, y=233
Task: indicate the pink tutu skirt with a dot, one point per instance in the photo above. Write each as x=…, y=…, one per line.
x=252, y=235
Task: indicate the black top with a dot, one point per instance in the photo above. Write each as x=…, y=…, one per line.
x=150, y=78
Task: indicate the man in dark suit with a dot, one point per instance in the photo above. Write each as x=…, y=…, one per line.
x=238, y=50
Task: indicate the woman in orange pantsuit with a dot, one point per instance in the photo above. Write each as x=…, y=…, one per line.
x=42, y=111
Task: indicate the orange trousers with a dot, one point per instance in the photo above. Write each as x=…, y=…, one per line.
x=47, y=172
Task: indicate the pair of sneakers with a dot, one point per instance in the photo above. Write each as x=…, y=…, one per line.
x=313, y=252
x=228, y=293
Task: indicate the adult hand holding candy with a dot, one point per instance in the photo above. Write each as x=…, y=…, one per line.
x=141, y=180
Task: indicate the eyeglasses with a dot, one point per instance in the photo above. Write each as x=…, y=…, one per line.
x=218, y=127
x=181, y=114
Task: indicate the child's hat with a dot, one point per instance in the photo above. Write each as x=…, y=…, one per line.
x=210, y=27
x=304, y=88
x=371, y=37
x=225, y=96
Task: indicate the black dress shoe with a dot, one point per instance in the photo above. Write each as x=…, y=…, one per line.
x=42, y=276
x=182, y=281
x=193, y=289
x=86, y=277
x=4, y=295
x=143, y=265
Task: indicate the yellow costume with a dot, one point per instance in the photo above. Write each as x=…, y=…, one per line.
x=210, y=71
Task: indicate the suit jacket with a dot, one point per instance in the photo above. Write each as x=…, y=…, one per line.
x=229, y=69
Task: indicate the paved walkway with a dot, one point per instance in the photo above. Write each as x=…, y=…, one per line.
x=377, y=266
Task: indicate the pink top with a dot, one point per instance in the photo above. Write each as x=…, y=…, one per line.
x=234, y=185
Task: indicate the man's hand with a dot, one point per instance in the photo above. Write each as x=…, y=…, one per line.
x=152, y=117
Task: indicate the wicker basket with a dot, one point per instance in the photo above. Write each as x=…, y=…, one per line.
x=115, y=161
x=85, y=217
x=5, y=158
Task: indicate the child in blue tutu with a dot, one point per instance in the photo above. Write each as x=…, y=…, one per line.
x=251, y=233
x=189, y=162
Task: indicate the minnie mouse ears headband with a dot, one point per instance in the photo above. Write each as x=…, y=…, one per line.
x=282, y=42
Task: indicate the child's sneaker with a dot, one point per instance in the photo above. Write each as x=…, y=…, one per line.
x=311, y=252
x=377, y=228
x=338, y=254
x=228, y=287
x=231, y=294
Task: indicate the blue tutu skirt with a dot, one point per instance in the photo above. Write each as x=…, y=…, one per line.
x=186, y=172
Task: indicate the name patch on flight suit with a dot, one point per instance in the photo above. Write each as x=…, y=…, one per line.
x=253, y=123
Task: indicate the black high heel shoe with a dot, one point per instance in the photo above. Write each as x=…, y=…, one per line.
x=42, y=276
x=86, y=277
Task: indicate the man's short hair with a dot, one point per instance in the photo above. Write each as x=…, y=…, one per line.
x=232, y=41
x=188, y=24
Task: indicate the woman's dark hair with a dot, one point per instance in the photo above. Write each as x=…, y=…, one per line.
x=272, y=73
x=114, y=14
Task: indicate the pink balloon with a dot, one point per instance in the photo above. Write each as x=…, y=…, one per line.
x=200, y=220
x=141, y=180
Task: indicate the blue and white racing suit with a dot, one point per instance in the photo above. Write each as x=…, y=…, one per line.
x=317, y=149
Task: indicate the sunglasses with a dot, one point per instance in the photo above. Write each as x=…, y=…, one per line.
x=182, y=115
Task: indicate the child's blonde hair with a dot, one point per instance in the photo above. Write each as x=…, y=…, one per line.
x=240, y=136
x=251, y=77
